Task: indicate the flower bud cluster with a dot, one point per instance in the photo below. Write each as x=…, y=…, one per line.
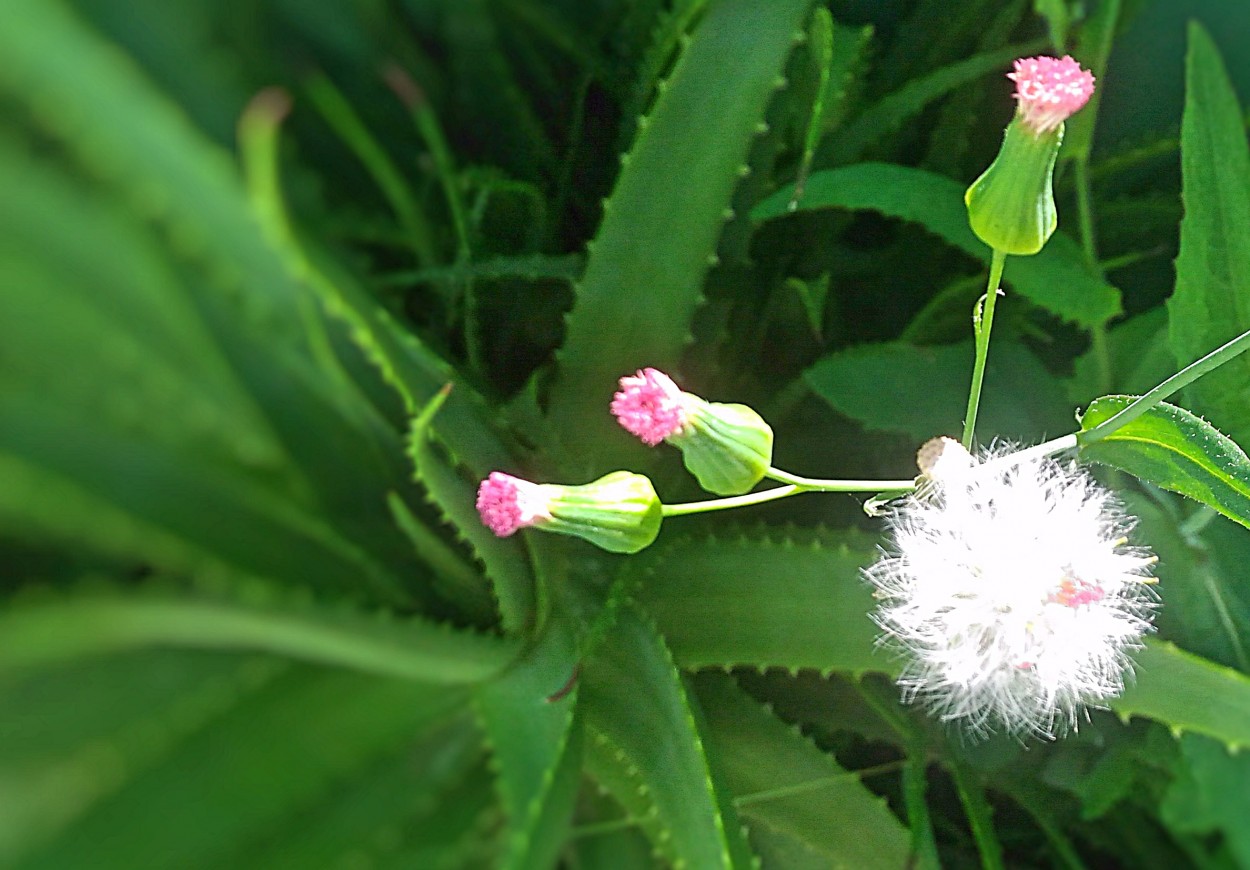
x=728, y=448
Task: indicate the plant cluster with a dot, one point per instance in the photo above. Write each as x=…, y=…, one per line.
x=316, y=318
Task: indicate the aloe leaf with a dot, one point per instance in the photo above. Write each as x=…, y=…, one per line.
x=256, y=309
x=1058, y=278
x=66, y=627
x=165, y=167
x=528, y=719
x=407, y=365
x=308, y=731
x=764, y=603
x=506, y=560
x=130, y=499
x=624, y=849
x=430, y=800
x=800, y=792
x=645, y=270
x=1176, y=450
x=631, y=693
x=89, y=288
x=1211, y=303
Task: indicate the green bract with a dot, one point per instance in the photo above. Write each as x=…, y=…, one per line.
x=1011, y=207
x=728, y=448
x=619, y=512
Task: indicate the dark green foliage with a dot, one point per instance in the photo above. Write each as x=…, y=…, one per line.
x=281, y=282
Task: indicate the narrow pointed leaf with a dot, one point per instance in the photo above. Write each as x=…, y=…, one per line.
x=644, y=275
x=536, y=747
x=638, y=709
x=307, y=732
x=1211, y=303
x=65, y=628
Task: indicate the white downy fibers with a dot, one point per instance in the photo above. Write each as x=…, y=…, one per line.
x=1011, y=591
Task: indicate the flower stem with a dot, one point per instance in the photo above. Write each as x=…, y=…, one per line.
x=720, y=504
x=793, y=486
x=982, y=322
x=1178, y=381
x=815, y=484
x=980, y=817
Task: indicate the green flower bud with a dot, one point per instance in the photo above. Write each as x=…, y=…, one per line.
x=1011, y=207
x=619, y=512
x=728, y=448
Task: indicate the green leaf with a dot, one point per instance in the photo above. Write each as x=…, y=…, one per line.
x=625, y=849
x=1139, y=355
x=1211, y=303
x=1211, y=793
x=764, y=603
x=430, y=799
x=1199, y=607
x=156, y=379
x=783, y=783
x=1114, y=765
x=158, y=160
x=644, y=275
x=306, y=732
x=124, y=497
x=1188, y=693
x=415, y=373
x=90, y=623
x=506, y=560
x=148, y=345
x=536, y=746
x=1057, y=279
x=922, y=391
x=1057, y=20
x=889, y=113
x=1176, y=450
x=645, y=734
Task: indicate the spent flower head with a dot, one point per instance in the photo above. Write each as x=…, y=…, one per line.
x=1011, y=592
x=1049, y=90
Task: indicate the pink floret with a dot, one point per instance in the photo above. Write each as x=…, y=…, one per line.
x=508, y=503
x=1050, y=89
x=650, y=406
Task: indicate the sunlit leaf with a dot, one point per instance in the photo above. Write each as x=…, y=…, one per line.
x=1176, y=450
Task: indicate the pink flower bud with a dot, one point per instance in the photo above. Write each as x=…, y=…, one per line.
x=650, y=406
x=1049, y=90
x=508, y=503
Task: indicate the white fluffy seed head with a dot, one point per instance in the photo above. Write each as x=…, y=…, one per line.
x=1012, y=594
